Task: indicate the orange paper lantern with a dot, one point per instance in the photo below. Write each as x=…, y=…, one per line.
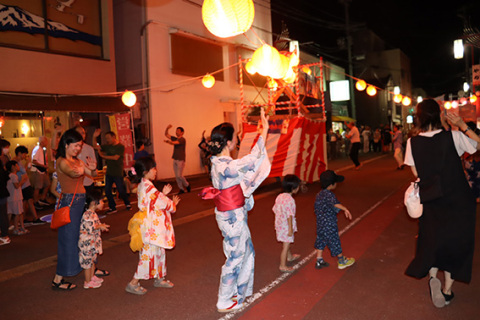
x=129, y=98
x=249, y=67
x=307, y=70
x=208, y=81
x=371, y=90
x=290, y=76
x=406, y=101
x=280, y=70
x=360, y=85
x=228, y=18
x=447, y=105
x=473, y=99
x=398, y=98
x=265, y=59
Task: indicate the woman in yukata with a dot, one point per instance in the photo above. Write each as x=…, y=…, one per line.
x=234, y=181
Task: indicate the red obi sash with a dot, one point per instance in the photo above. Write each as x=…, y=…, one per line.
x=226, y=199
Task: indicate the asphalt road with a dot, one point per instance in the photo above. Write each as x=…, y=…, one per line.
x=381, y=237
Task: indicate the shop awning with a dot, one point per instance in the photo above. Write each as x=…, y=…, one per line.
x=24, y=102
x=342, y=119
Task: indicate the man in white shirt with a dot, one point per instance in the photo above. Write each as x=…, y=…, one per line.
x=86, y=152
x=354, y=136
x=40, y=177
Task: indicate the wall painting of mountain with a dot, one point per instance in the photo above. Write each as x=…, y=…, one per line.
x=66, y=26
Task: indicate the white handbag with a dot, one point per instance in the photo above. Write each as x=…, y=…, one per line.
x=412, y=200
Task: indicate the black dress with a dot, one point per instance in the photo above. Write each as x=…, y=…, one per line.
x=447, y=226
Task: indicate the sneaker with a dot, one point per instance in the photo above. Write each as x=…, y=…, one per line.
x=129, y=207
x=43, y=203
x=345, y=262
x=4, y=240
x=189, y=188
x=91, y=285
x=321, y=264
x=233, y=305
x=97, y=279
x=181, y=191
x=18, y=232
x=38, y=206
x=27, y=223
x=111, y=211
x=38, y=221
x=25, y=231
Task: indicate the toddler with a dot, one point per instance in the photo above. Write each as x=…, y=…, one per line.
x=326, y=208
x=154, y=224
x=285, y=223
x=90, y=241
x=15, y=199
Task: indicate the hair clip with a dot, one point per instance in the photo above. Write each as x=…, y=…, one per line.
x=132, y=169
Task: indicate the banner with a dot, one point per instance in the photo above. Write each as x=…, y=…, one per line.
x=294, y=146
x=120, y=124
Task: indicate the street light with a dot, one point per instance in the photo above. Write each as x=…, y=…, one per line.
x=458, y=49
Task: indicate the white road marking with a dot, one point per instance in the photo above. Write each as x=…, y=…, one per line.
x=284, y=276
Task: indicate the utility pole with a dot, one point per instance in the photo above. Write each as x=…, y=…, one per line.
x=349, y=52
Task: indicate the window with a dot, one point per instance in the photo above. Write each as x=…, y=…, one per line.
x=194, y=57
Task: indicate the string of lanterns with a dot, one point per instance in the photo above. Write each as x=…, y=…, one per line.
x=228, y=18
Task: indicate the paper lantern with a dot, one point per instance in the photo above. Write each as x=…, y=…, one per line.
x=280, y=70
x=265, y=58
x=290, y=76
x=360, y=85
x=398, y=98
x=228, y=18
x=307, y=70
x=208, y=81
x=129, y=98
x=272, y=84
x=249, y=67
x=473, y=99
x=2, y=121
x=447, y=105
x=406, y=101
x=455, y=104
x=371, y=90
x=294, y=60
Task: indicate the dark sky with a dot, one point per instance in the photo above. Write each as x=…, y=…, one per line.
x=423, y=29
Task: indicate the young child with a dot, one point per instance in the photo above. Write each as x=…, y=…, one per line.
x=15, y=199
x=90, y=241
x=285, y=223
x=154, y=224
x=326, y=208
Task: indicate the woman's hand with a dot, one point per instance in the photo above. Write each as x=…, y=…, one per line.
x=90, y=164
x=457, y=121
x=264, y=120
x=166, y=189
x=176, y=199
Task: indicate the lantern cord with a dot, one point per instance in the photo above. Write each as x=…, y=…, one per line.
x=256, y=35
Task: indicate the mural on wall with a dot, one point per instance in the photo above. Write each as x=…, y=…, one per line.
x=70, y=26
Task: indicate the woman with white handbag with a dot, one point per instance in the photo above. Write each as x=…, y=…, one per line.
x=447, y=225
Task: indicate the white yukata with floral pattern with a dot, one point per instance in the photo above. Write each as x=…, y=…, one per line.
x=157, y=231
x=284, y=208
x=249, y=172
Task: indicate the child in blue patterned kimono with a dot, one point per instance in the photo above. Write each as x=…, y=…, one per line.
x=326, y=208
x=234, y=182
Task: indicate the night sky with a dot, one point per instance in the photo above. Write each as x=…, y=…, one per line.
x=423, y=29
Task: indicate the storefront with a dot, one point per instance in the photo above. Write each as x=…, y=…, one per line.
x=25, y=118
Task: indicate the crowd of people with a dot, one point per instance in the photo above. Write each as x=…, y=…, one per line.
x=446, y=227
